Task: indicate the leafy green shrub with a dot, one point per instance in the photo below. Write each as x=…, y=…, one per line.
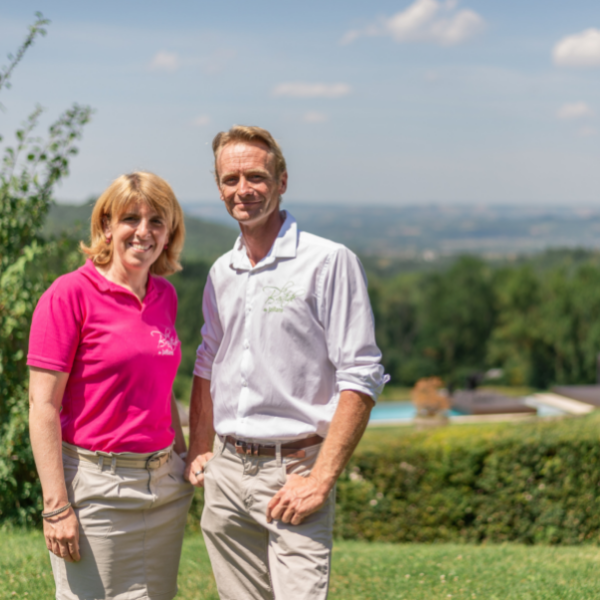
x=189, y=284
x=531, y=483
x=29, y=171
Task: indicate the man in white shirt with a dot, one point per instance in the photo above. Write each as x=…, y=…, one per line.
x=286, y=375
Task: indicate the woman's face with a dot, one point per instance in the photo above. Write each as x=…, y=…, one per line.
x=138, y=236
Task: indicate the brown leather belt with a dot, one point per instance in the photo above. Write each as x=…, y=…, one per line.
x=288, y=449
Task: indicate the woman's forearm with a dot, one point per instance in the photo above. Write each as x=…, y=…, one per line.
x=46, y=439
x=46, y=389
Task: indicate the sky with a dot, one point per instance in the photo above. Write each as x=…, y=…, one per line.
x=374, y=103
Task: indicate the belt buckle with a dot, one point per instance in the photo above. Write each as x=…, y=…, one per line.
x=240, y=447
x=155, y=461
x=248, y=448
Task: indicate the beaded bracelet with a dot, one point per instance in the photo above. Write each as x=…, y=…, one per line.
x=53, y=513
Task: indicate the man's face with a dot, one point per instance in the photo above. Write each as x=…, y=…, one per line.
x=247, y=182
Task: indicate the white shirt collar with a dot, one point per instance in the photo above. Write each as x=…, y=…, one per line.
x=284, y=246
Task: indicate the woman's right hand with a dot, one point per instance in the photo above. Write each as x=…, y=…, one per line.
x=62, y=535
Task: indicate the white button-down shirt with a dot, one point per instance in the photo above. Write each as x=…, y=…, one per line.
x=282, y=339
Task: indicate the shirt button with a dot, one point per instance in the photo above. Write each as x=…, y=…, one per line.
x=244, y=384
x=246, y=345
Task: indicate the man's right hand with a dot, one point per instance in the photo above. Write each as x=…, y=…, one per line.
x=62, y=535
x=194, y=472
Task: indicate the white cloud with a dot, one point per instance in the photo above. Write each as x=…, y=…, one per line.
x=578, y=50
x=201, y=121
x=426, y=21
x=315, y=117
x=587, y=132
x=165, y=61
x=575, y=110
x=218, y=60
x=312, y=90
x=215, y=62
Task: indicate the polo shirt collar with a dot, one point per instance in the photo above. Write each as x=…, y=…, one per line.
x=104, y=285
x=284, y=246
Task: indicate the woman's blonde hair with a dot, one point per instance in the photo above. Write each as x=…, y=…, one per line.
x=117, y=198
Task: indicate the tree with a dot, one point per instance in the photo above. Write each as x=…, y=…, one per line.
x=30, y=169
x=571, y=327
x=396, y=328
x=456, y=317
x=519, y=342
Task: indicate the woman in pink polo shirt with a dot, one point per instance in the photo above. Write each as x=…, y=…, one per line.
x=105, y=431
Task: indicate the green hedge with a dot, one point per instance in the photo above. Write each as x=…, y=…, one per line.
x=523, y=482
x=529, y=482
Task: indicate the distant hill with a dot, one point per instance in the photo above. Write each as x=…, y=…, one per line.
x=204, y=240
x=388, y=235
x=429, y=232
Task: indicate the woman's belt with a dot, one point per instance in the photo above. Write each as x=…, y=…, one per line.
x=288, y=449
x=149, y=461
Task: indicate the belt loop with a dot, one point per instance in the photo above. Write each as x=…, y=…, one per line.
x=113, y=465
x=278, y=453
x=100, y=463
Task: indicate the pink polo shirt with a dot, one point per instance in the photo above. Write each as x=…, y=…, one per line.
x=121, y=355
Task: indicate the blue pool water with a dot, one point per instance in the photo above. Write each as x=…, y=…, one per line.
x=398, y=411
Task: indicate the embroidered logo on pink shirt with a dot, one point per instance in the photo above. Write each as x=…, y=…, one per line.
x=167, y=342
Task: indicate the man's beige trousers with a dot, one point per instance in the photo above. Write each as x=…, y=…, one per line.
x=253, y=559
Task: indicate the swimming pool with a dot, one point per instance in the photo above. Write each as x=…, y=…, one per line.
x=398, y=411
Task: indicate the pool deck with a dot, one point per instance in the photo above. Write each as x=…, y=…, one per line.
x=463, y=419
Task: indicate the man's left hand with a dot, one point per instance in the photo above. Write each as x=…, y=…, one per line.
x=298, y=498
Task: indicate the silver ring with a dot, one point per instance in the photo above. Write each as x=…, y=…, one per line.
x=199, y=472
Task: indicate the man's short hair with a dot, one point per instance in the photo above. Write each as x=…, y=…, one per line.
x=249, y=133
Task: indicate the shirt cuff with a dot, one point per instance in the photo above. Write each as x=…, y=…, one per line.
x=367, y=380
x=202, y=371
x=204, y=362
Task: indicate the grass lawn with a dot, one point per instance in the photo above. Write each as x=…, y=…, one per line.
x=364, y=571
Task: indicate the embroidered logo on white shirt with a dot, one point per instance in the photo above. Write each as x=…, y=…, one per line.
x=279, y=298
x=167, y=342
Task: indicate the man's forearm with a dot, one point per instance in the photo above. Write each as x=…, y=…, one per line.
x=347, y=427
x=202, y=430
x=179, y=441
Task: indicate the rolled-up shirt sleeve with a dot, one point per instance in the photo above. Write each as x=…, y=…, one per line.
x=349, y=326
x=212, y=332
